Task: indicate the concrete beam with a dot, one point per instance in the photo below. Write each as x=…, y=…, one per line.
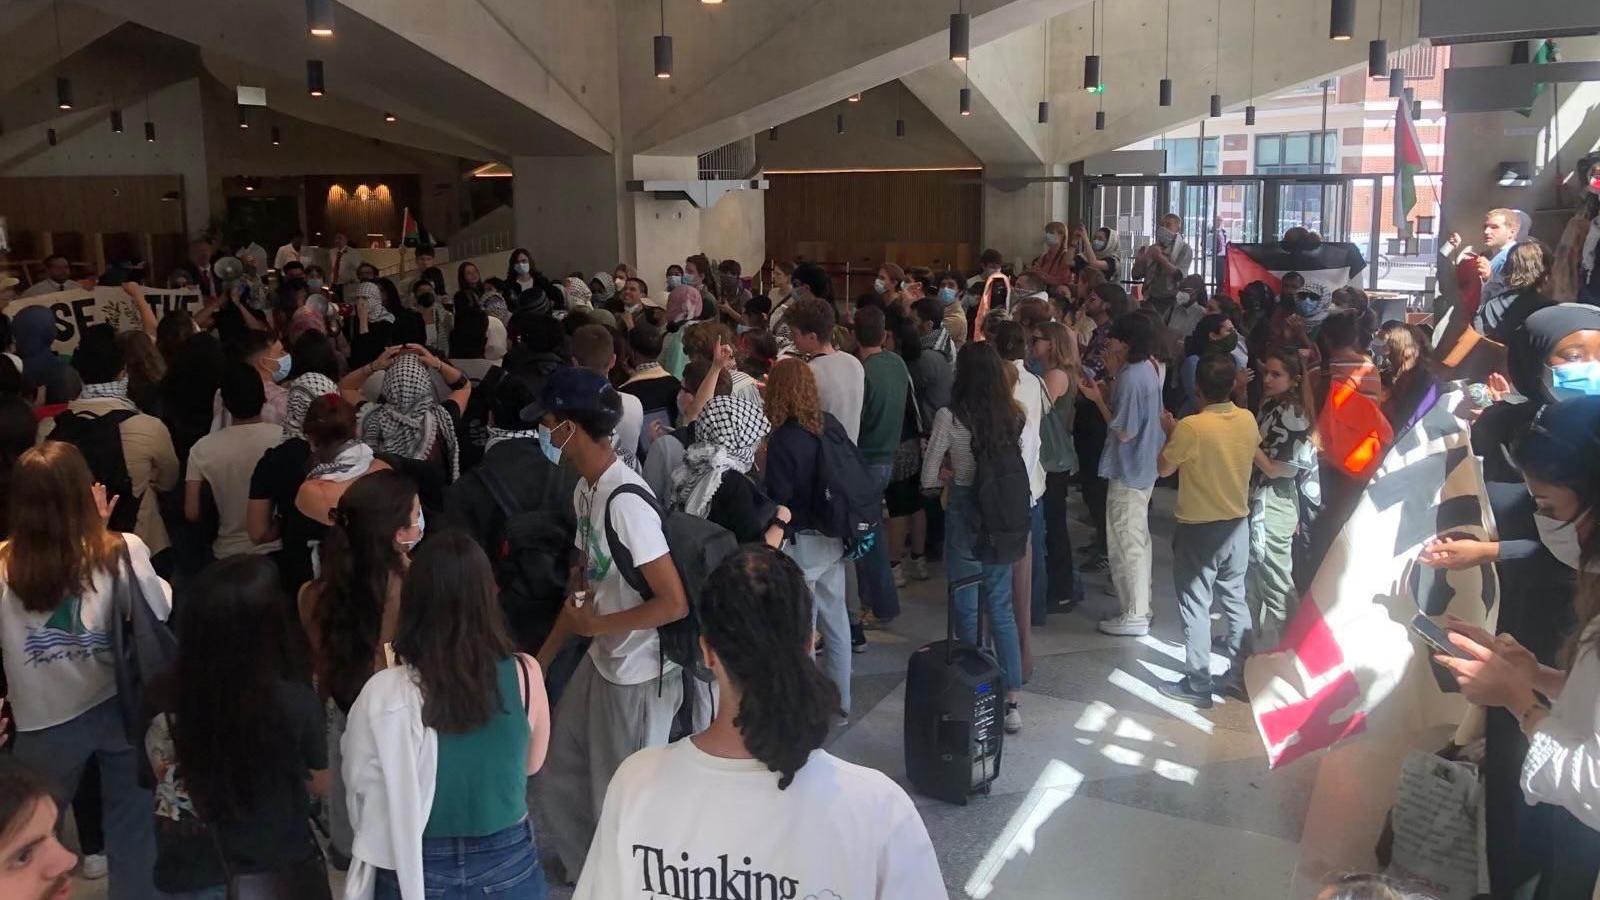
x=741, y=68
x=28, y=28
x=1003, y=128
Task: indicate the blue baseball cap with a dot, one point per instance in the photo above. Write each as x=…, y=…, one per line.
x=570, y=389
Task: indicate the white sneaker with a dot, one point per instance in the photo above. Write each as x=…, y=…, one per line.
x=919, y=568
x=93, y=867
x=899, y=575
x=1126, y=625
x=1013, y=718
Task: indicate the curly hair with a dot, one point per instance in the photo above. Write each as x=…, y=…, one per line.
x=792, y=395
x=756, y=615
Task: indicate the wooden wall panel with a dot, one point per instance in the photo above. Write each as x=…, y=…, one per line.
x=861, y=219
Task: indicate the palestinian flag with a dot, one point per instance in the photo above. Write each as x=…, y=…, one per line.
x=1408, y=161
x=1544, y=53
x=1327, y=266
x=408, y=230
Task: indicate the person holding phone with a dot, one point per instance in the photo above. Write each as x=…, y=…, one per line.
x=1054, y=265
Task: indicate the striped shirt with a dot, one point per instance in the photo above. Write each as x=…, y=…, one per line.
x=949, y=437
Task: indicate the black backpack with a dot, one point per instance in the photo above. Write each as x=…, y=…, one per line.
x=697, y=546
x=530, y=560
x=848, y=504
x=1002, y=508
x=99, y=439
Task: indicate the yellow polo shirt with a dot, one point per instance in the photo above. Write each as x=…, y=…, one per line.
x=1213, y=450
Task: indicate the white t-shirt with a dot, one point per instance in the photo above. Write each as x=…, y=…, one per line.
x=225, y=460
x=631, y=423
x=635, y=656
x=1029, y=394
x=680, y=823
x=841, y=386
x=58, y=664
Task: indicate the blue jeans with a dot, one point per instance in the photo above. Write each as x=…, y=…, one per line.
x=60, y=752
x=877, y=578
x=961, y=562
x=503, y=865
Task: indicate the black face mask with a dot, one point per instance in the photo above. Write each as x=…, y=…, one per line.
x=425, y=299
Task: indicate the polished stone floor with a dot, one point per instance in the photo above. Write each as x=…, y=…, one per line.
x=1111, y=791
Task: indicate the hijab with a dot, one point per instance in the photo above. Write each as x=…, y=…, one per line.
x=683, y=303
x=1533, y=343
x=409, y=418
x=302, y=391
x=1113, y=244
x=726, y=436
x=608, y=287
x=34, y=330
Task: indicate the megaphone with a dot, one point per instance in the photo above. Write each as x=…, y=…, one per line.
x=227, y=268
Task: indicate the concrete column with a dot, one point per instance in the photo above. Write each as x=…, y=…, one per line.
x=1014, y=220
x=566, y=211
x=664, y=231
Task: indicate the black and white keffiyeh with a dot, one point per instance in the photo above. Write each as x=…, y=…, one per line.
x=106, y=389
x=302, y=392
x=409, y=418
x=351, y=462
x=726, y=436
x=370, y=296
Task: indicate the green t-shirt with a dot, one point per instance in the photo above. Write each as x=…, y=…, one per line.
x=883, y=406
x=482, y=782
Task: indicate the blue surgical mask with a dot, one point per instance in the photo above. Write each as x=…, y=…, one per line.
x=1306, y=306
x=947, y=295
x=1051, y=239
x=674, y=281
x=1574, y=379
x=548, y=445
x=690, y=280
x=521, y=268
x=1098, y=245
x=285, y=363
x=879, y=285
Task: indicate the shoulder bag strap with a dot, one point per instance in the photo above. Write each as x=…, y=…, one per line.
x=525, y=680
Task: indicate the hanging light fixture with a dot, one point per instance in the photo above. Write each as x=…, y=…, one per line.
x=244, y=117
x=50, y=135
x=772, y=133
x=1378, y=50
x=116, y=121
x=277, y=136
x=63, y=83
x=314, y=80
x=960, y=34
x=1250, y=109
x=1100, y=120
x=838, y=123
x=319, y=18
x=663, y=46
x=149, y=126
x=966, y=101
x=1342, y=20
x=1100, y=95
x=854, y=98
x=1216, y=70
x=389, y=117
x=1166, y=65
x=1044, y=78
x=1397, y=82
x=1091, y=63
x=899, y=128
x=899, y=113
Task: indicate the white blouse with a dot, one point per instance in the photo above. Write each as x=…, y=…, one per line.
x=1563, y=762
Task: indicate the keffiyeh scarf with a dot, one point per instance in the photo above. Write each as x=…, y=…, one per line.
x=726, y=436
x=409, y=418
x=302, y=391
x=106, y=389
x=370, y=296
x=497, y=435
x=578, y=294
x=351, y=462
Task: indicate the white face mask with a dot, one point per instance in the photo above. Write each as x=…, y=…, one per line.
x=1184, y=298
x=1561, y=539
x=422, y=527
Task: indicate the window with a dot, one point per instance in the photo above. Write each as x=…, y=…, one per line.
x=1417, y=61
x=1295, y=153
x=1182, y=153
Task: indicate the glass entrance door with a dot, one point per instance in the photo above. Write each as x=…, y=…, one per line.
x=1320, y=206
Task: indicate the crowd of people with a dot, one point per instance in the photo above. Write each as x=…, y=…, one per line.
x=429, y=543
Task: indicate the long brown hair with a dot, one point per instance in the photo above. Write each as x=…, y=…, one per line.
x=1063, y=353
x=792, y=394
x=58, y=540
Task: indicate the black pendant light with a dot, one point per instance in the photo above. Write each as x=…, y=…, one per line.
x=50, y=135
x=1378, y=50
x=899, y=128
x=149, y=125
x=854, y=98
x=63, y=83
x=1342, y=20
x=1091, y=63
x=1166, y=65
x=319, y=18
x=772, y=133
x=389, y=117
x=960, y=34
x=315, y=85
x=1416, y=110
x=1250, y=109
x=966, y=101
x=663, y=47
x=277, y=136
x=838, y=123
x=1397, y=82
x=244, y=117
x=116, y=121
x=1100, y=120
x=1044, y=77
x=1216, y=70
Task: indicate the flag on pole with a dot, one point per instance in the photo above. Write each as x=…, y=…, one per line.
x=1348, y=664
x=408, y=230
x=1408, y=161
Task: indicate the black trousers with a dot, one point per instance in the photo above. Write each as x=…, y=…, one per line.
x=1060, y=570
x=1089, y=439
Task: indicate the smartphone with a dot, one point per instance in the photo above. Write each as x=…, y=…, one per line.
x=1436, y=637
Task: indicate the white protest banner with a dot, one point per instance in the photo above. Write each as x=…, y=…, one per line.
x=76, y=309
x=1348, y=663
